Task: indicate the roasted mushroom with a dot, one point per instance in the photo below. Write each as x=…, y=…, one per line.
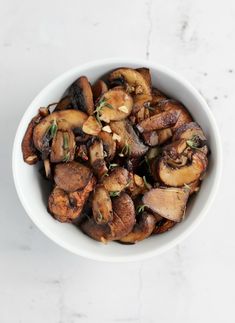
x=67, y=207
x=157, y=97
x=117, y=180
x=64, y=120
x=72, y=176
x=128, y=139
x=108, y=143
x=98, y=89
x=64, y=104
x=142, y=229
x=63, y=146
x=102, y=205
x=169, y=202
x=183, y=175
x=91, y=126
x=145, y=72
x=159, y=121
x=163, y=225
x=96, y=152
x=99, y=232
x=30, y=155
x=135, y=83
x=81, y=95
x=123, y=216
x=150, y=138
x=114, y=105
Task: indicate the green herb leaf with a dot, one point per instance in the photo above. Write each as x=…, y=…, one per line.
x=111, y=166
x=53, y=129
x=66, y=157
x=126, y=150
x=100, y=216
x=140, y=208
x=147, y=185
x=194, y=142
x=114, y=194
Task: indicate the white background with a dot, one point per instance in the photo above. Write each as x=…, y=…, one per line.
x=39, y=281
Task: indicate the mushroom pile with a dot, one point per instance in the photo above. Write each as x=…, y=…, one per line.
x=123, y=158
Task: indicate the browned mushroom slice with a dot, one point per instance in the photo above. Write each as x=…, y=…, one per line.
x=142, y=229
x=145, y=72
x=66, y=207
x=150, y=138
x=60, y=120
x=128, y=138
x=136, y=186
x=172, y=105
x=117, y=180
x=123, y=217
x=164, y=135
x=81, y=95
x=114, y=105
x=62, y=147
x=91, y=126
x=64, y=104
x=157, y=97
x=189, y=130
x=102, y=205
x=175, y=149
x=82, y=152
x=108, y=143
x=29, y=152
x=72, y=176
x=193, y=187
x=170, y=202
x=183, y=175
x=99, y=232
x=96, y=152
x=159, y=121
x=98, y=89
x=163, y=225
x=135, y=83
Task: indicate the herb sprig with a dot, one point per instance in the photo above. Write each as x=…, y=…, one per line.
x=101, y=104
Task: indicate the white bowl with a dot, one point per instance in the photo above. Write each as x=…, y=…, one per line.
x=33, y=191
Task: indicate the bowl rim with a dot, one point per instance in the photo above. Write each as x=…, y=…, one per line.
x=212, y=193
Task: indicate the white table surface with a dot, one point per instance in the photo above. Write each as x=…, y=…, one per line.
x=39, y=281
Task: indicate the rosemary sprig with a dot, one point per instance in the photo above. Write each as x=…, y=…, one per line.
x=126, y=150
x=194, y=142
x=52, y=129
x=140, y=208
x=66, y=157
x=66, y=141
x=101, y=103
x=114, y=193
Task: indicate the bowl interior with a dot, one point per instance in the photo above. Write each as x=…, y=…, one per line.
x=33, y=190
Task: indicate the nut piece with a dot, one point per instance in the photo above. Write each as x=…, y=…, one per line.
x=102, y=205
x=91, y=126
x=72, y=176
x=170, y=202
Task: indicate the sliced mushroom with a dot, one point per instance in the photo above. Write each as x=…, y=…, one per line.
x=117, y=180
x=81, y=95
x=72, y=176
x=194, y=187
x=28, y=149
x=175, y=149
x=159, y=121
x=123, y=216
x=189, y=130
x=98, y=89
x=170, y=202
x=163, y=225
x=164, y=135
x=62, y=147
x=96, y=152
x=64, y=104
x=135, y=83
x=183, y=175
x=128, y=138
x=60, y=120
x=67, y=207
x=157, y=97
x=142, y=229
x=114, y=105
x=172, y=105
x=108, y=143
x=102, y=205
x=136, y=186
x=91, y=126
x=82, y=152
x=150, y=138
x=99, y=232
x=145, y=72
